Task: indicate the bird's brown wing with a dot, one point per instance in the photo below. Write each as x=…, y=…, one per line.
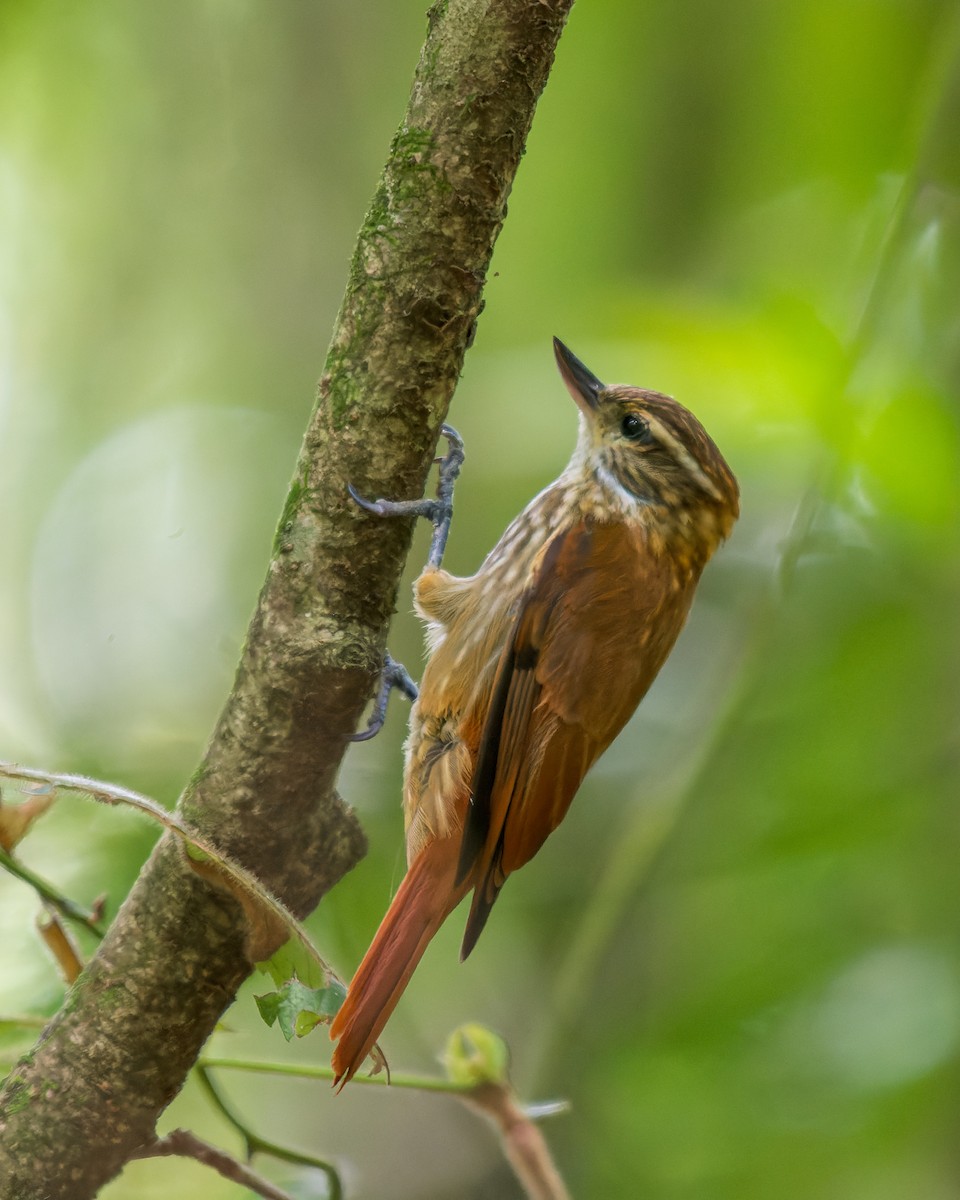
x=591, y=632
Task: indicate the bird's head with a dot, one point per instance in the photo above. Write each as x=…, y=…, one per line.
x=646, y=448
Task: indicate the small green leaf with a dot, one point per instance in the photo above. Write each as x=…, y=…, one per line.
x=306, y=1022
x=297, y=1008
x=475, y=1055
x=269, y=1006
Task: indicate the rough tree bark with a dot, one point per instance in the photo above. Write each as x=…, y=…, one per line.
x=90, y=1093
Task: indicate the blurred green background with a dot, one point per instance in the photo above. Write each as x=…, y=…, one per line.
x=739, y=958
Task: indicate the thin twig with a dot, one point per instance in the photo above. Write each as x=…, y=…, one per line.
x=421, y=1083
x=67, y=908
x=187, y=1145
x=254, y=1144
x=61, y=945
x=524, y=1146
x=246, y=887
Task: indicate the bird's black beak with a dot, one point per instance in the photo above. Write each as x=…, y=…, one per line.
x=581, y=383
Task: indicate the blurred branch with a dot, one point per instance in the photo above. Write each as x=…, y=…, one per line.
x=477, y=1057
x=76, y=1109
x=524, y=1146
x=186, y=1144
x=937, y=110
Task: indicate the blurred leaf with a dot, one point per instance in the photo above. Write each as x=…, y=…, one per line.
x=910, y=453
x=16, y=819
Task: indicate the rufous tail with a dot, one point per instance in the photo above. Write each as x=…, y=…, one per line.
x=425, y=898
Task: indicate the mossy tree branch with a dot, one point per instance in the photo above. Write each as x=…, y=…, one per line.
x=116, y=1054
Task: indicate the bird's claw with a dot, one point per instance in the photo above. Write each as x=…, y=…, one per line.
x=370, y=506
x=394, y=508
x=393, y=676
x=455, y=450
x=438, y=511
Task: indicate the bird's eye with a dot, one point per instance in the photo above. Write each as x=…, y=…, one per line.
x=635, y=428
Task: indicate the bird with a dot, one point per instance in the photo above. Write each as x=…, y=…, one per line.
x=536, y=662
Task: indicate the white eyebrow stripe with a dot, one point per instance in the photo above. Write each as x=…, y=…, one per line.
x=682, y=455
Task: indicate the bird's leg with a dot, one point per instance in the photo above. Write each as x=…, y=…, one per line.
x=394, y=675
x=440, y=512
